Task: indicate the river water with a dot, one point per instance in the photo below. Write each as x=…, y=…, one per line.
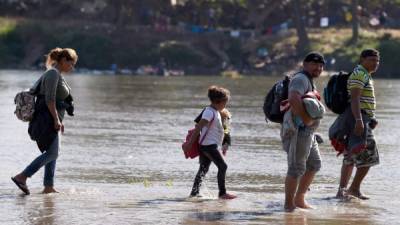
x=121, y=161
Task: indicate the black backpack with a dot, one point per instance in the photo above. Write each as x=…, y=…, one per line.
x=336, y=95
x=277, y=94
x=272, y=102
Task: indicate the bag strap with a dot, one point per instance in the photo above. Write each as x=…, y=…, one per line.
x=305, y=73
x=202, y=139
x=35, y=90
x=367, y=83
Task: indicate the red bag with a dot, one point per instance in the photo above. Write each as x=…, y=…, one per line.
x=193, y=152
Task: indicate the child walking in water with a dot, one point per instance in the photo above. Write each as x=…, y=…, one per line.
x=211, y=130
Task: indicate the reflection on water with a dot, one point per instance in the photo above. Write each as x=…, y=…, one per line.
x=44, y=212
x=121, y=163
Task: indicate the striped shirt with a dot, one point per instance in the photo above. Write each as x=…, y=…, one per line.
x=361, y=79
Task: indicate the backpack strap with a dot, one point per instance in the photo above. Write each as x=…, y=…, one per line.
x=202, y=139
x=198, y=118
x=366, y=84
x=35, y=90
x=308, y=76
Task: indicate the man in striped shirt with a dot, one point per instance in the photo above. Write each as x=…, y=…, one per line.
x=362, y=106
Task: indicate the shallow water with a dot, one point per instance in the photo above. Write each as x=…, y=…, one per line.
x=121, y=162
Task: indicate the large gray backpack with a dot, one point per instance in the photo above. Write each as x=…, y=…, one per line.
x=25, y=102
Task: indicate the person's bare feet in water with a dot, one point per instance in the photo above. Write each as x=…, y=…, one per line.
x=300, y=202
x=357, y=194
x=227, y=196
x=49, y=189
x=341, y=194
x=289, y=208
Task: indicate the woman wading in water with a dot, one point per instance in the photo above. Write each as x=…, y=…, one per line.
x=53, y=99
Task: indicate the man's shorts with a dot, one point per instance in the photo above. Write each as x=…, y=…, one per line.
x=304, y=156
x=367, y=158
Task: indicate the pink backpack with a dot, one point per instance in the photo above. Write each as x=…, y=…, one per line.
x=193, y=152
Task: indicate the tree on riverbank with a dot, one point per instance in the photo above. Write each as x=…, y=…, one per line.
x=303, y=43
x=355, y=20
x=242, y=14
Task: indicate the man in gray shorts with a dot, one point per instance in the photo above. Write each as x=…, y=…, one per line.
x=302, y=149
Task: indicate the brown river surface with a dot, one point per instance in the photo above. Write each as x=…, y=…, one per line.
x=121, y=163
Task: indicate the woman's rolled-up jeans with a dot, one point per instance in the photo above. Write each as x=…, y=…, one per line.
x=48, y=159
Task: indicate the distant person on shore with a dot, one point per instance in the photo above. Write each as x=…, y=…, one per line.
x=210, y=127
x=211, y=18
x=53, y=99
x=298, y=139
x=162, y=67
x=358, y=121
x=382, y=18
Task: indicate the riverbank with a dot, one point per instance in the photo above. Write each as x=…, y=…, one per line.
x=104, y=47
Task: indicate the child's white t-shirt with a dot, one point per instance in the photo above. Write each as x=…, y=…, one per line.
x=215, y=134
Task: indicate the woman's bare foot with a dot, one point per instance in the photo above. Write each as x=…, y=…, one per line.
x=300, y=202
x=49, y=189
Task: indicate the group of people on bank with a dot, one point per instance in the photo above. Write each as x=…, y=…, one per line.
x=213, y=125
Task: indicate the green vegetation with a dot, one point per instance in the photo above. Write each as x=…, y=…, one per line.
x=336, y=44
x=10, y=42
x=24, y=42
x=97, y=49
x=178, y=53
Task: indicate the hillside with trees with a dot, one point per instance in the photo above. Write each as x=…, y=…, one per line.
x=199, y=37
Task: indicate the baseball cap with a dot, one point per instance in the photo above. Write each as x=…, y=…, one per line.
x=314, y=57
